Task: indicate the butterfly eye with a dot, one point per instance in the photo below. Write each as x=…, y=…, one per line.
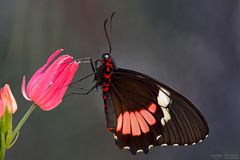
x=106, y=56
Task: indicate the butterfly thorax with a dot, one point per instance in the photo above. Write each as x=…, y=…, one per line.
x=104, y=71
x=103, y=76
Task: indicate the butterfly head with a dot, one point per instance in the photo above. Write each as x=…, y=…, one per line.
x=106, y=58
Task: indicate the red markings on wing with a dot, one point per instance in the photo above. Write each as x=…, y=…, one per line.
x=152, y=108
x=126, y=123
x=137, y=122
x=142, y=123
x=148, y=117
x=119, y=122
x=134, y=125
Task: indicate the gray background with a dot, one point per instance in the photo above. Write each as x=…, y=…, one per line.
x=193, y=46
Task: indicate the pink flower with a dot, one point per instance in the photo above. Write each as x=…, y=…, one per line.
x=7, y=100
x=49, y=84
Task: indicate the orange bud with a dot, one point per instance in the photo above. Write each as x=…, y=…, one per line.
x=7, y=100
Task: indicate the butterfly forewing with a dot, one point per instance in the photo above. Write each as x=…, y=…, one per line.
x=144, y=113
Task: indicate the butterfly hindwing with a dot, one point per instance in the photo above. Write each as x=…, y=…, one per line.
x=148, y=113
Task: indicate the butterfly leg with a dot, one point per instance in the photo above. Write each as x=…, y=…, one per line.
x=82, y=93
x=79, y=88
x=89, y=75
x=87, y=60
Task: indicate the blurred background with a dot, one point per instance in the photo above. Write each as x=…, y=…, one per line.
x=193, y=46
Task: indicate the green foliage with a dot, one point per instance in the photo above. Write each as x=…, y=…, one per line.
x=5, y=132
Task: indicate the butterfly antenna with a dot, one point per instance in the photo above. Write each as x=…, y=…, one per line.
x=106, y=34
x=112, y=15
x=106, y=31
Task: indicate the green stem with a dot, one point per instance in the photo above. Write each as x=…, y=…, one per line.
x=23, y=120
x=12, y=142
x=2, y=146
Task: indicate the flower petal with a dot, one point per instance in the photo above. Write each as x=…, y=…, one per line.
x=2, y=106
x=49, y=84
x=35, y=78
x=12, y=108
x=64, y=87
x=9, y=99
x=48, y=76
x=56, y=93
x=24, y=89
x=53, y=56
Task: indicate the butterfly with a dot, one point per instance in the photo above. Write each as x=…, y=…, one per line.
x=143, y=112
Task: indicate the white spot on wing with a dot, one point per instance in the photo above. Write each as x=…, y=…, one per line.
x=175, y=145
x=140, y=150
x=200, y=141
x=164, y=144
x=162, y=121
x=166, y=114
x=150, y=146
x=126, y=147
x=193, y=143
x=206, y=136
x=158, y=137
x=186, y=144
x=163, y=98
x=115, y=137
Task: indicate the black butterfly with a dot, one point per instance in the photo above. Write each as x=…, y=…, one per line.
x=143, y=112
